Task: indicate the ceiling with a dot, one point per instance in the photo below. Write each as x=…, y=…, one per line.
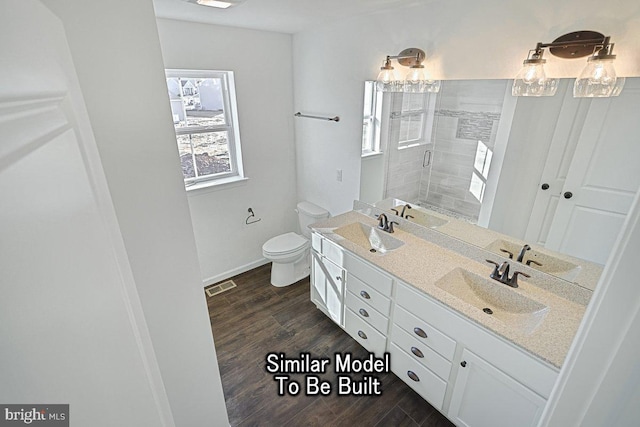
x=287, y=16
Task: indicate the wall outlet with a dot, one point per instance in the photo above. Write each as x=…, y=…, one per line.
x=339, y=175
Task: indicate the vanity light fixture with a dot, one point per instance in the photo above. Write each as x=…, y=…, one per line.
x=416, y=80
x=598, y=79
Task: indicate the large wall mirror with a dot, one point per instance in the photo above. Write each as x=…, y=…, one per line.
x=559, y=172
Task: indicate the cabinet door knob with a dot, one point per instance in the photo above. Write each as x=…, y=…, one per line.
x=363, y=312
x=365, y=295
x=568, y=195
x=545, y=186
x=413, y=376
x=339, y=278
x=417, y=352
x=419, y=332
x=463, y=363
x=362, y=335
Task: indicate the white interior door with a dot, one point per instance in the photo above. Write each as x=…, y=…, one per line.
x=71, y=325
x=602, y=179
x=561, y=151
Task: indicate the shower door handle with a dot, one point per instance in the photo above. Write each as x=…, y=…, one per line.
x=426, y=160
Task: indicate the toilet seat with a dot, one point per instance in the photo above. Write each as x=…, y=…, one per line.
x=285, y=244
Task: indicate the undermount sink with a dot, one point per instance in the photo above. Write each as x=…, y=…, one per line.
x=424, y=219
x=368, y=237
x=550, y=264
x=497, y=300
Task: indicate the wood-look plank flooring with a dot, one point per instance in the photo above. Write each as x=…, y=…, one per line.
x=256, y=318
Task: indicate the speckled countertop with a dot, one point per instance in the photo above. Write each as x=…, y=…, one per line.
x=462, y=229
x=422, y=263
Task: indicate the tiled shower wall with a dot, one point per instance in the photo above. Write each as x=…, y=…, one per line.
x=468, y=112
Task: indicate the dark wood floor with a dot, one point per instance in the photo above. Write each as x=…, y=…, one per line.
x=256, y=318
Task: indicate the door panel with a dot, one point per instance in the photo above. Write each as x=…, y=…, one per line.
x=602, y=179
x=71, y=325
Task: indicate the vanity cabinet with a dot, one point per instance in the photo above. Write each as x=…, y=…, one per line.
x=484, y=396
x=464, y=370
x=490, y=382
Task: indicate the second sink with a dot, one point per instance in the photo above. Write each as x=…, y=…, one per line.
x=515, y=310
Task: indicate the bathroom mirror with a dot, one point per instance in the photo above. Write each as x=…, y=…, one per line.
x=558, y=172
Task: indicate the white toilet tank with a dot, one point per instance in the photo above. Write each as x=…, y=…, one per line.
x=308, y=213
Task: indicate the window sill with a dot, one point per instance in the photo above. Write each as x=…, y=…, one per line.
x=215, y=185
x=369, y=154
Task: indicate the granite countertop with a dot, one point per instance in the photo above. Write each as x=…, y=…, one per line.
x=421, y=263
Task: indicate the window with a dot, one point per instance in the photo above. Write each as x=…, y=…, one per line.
x=371, y=119
x=203, y=107
x=416, y=119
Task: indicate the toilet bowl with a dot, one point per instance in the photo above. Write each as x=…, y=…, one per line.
x=289, y=252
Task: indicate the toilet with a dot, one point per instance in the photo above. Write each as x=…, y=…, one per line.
x=289, y=252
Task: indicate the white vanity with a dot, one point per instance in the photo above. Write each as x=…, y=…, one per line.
x=395, y=293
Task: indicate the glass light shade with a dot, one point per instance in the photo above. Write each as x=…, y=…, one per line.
x=533, y=81
x=414, y=81
x=597, y=79
x=417, y=81
x=387, y=81
x=619, y=85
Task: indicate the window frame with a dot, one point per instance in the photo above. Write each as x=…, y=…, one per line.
x=231, y=127
x=371, y=119
x=425, y=116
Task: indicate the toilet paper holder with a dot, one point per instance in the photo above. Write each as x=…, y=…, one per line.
x=249, y=221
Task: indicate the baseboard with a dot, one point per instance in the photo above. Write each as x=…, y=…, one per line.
x=234, y=272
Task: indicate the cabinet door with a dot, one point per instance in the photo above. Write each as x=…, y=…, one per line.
x=484, y=396
x=327, y=287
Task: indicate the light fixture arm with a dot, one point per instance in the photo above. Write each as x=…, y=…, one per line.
x=409, y=57
x=578, y=44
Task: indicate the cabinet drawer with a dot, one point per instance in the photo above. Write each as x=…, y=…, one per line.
x=424, y=332
x=364, y=333
x=368, y=274
x=333, y=252
x=369, y=295
x=367, y=313
x=420, y=352
x=422, y=380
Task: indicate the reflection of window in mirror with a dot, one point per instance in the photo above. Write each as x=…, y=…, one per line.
x=416, y=119
x=371, y=119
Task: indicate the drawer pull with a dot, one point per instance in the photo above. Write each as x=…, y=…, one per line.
x=362, y=335
x=363, y=312
x=413, y=376
x=365, y=295
x=417, y=352
x=419, y=332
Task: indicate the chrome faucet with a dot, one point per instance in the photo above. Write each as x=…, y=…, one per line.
x=524, y=249
x=501, y=274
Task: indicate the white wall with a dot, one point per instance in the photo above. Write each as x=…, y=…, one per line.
x=261, y=62
x=462, y=39
x=115, y=47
